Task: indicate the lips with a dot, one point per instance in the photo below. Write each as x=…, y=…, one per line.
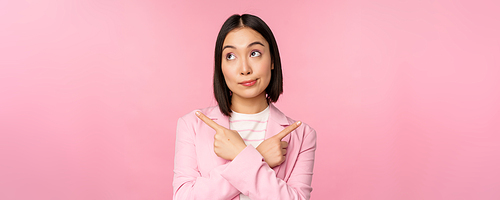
x=248, y=83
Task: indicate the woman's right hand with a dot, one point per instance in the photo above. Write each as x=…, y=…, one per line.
x=227, y=143
x=273, y=149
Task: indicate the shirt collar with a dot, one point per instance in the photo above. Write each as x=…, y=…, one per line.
x=275, y=115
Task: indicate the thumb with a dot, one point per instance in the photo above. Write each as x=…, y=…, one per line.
x=288, y=130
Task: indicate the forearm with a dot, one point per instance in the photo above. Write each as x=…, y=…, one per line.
x=193, y=186
x=188, y=182
x=253, y=177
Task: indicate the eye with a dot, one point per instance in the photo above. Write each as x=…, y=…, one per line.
x=255, y=54
x=230, y=56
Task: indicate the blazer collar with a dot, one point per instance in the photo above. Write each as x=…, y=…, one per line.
x=277, y=116
x=277, y=120
x=276, y=123
x=216, y=115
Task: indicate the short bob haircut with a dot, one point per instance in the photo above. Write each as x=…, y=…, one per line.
x=221, y=91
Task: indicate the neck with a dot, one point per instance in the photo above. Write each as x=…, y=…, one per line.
x=249, y=105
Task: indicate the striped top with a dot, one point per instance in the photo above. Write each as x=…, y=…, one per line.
x=252, y=128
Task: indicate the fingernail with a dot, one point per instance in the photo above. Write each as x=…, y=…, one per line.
x=197, y=113
x=298, y=123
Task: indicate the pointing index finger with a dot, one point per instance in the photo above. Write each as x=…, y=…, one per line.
x=288, y=130
x=208, y=121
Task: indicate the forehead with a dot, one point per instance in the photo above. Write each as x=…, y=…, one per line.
x=241, y=37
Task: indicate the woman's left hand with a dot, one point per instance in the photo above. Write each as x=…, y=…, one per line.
x=273, y=149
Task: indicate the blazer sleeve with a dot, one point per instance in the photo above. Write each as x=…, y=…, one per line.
x=251, y=175
x=188, y=182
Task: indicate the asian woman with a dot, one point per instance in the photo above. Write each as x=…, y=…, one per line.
x=244, y=148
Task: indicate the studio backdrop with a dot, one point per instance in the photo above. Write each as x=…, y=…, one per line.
x=404, y=95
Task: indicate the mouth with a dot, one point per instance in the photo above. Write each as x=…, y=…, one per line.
x=248, y=83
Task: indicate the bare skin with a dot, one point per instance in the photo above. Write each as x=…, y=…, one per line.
x=246, y=57
x=247, y=67
x=228, y=143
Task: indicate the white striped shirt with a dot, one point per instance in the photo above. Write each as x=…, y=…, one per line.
x=251, y=127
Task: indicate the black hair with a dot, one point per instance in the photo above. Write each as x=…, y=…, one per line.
x=221, y=91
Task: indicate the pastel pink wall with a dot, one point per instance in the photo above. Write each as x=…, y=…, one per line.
x=404, y=95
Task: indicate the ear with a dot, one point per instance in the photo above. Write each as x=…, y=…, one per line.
x=272, y=66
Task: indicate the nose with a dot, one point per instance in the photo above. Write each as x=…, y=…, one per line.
x=245, y=67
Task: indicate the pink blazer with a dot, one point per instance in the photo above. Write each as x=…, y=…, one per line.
x=200, y=174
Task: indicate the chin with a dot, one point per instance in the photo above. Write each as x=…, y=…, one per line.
x=254, y=95
x=249, y=95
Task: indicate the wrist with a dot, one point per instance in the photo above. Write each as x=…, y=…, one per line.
x=239, y=149
x=242, y=147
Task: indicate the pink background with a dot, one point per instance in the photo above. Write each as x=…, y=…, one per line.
x=404, y=95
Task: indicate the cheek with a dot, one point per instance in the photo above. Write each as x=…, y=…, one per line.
x=265, y=70
x=227, y=73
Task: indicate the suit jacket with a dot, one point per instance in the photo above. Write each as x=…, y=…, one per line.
x=200, y=174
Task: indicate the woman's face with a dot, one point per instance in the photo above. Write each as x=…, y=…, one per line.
x=246, y=63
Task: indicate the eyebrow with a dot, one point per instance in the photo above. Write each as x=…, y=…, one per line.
x=251, y=44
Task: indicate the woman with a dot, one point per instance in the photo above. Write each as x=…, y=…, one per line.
x=244, y=148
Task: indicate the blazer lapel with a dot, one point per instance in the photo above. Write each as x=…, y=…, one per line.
x=277, y=120
x=216, y=115
x=276, y=123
